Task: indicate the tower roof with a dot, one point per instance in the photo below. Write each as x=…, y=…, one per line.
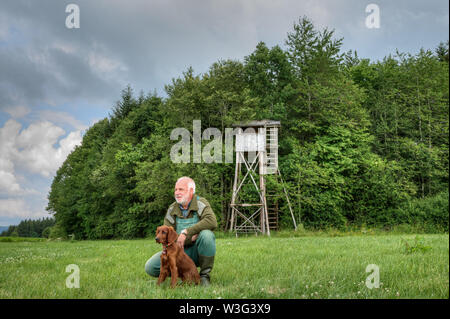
x=262, y=123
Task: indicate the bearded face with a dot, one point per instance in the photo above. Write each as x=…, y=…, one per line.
x=182, y=199
x=183, y=194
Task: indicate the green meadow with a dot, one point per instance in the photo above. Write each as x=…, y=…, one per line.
x=282, y=266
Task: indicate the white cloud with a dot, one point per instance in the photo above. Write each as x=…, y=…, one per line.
x=103, y=64
x=61, y=118
x=36, y=143
x=8, y=182
x=8, y=152
x=14, y=208
x=18, y=111
x=17, y=208
x=66, y=146
x=94, y=120
x=65, y=47
x=35, y=149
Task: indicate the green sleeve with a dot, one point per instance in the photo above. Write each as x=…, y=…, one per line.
x=167, y=223
x=207, y=221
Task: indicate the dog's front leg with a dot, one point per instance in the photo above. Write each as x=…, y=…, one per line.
x=162, y=276
x=173, y=271
x=163, y=270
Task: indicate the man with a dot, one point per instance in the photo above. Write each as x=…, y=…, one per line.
x=194, y=220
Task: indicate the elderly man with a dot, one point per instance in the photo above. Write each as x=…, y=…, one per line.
x=193, y=219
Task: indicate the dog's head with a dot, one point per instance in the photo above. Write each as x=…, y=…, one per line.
x=165, y=235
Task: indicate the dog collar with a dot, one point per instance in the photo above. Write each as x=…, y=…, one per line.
x=167, y=245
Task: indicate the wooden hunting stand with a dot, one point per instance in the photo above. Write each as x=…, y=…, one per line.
x=257, y=150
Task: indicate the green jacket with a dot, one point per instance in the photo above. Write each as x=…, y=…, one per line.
x=207, y=218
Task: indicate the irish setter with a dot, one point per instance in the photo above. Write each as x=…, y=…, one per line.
x=174, y=261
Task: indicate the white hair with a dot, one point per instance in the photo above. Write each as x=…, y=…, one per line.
x=191, y=183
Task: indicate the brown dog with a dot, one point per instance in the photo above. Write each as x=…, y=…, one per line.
x=174, y=261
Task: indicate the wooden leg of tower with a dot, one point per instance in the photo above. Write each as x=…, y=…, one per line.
x=263, y=209
x=234, y=195
x=262, y=185
x=266, y=211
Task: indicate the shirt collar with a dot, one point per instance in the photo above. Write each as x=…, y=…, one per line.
x=192, y=204
x=181, y=206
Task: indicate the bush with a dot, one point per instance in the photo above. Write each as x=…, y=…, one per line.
x=57, y=231
x=46, y=232
x=417, y=246
x=430, y=213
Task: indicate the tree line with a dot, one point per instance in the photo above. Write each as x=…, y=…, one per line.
x=30, y=228
x=361, y=142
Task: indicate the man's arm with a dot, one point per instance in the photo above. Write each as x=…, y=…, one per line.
x=207, y=221
x=168, y=219
x=167, y=223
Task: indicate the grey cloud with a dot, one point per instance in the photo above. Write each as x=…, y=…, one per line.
x=150, y=42
x=35, y=68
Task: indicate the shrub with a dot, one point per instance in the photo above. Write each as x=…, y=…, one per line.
x=430, y=213
x=57, y=231
x=417, y=246
x=46, y=232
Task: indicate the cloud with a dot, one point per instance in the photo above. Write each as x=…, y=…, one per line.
x=3, y=30
x=103, y=65
x=60, y=118
x=8, y=153
x=142, y=43
x=25, y=154
x=35, y=150
x=42, y=64
x=147, y=43
x=14, y=208
x=8, y=183
x=18, y=208
x=18, y=111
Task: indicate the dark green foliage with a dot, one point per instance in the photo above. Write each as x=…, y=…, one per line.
x=46, y=232
x=442, y=51
x=361, y=143
x=340, y=180
x=408, y=105
x=30, y=228
x=57, y=231
x=430, y=213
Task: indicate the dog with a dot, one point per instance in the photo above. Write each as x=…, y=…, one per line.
x=174, y=261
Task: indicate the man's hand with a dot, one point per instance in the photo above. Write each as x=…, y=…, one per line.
x=180, y=240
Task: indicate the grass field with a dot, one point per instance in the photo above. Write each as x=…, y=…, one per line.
x=246, y=267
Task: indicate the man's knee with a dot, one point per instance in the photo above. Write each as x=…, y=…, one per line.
x=206, y=243
x=206, y=236
x=152, y=266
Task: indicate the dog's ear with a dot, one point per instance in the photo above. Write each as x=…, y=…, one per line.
x=172, y=235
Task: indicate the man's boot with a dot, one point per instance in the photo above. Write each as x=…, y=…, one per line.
x=206, y=264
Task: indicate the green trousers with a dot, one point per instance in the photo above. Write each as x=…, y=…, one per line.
x=205, y=245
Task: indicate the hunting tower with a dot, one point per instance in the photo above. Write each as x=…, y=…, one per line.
x=256, y=157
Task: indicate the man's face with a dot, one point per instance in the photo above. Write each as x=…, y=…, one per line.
x=183, y=195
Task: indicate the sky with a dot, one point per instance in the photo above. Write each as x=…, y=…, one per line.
x=57, y=80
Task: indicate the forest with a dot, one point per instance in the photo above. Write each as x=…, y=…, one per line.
x=362, y=143
x=30, y=228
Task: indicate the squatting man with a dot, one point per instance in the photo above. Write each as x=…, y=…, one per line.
x=194, y=220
